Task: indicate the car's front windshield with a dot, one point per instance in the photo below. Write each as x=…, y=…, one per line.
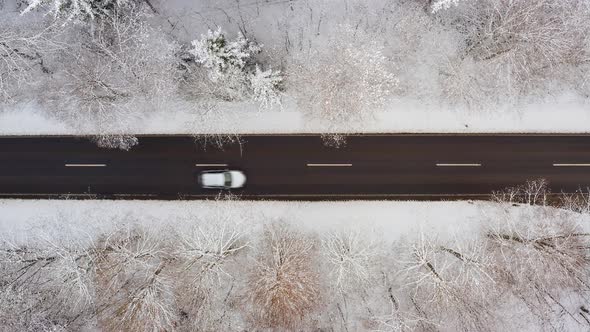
x=227, y=178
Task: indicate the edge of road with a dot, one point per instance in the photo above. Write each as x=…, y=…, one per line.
x=303, y=198
x=515, y=134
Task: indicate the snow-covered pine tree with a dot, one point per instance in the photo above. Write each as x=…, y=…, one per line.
x=215, y=52
x=439, y=5
x=266, y=86
x=232, y=68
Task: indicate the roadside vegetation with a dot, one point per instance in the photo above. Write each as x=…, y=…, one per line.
x=526, y=264
x=105, y=66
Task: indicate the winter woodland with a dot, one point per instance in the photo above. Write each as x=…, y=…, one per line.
x=113, y=68
x=520, y=263
x=109, y=68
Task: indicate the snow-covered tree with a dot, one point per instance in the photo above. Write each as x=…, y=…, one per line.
x=226, y=63
x=135, y=294
x=50, y=280
x=76, y=10
x=22, y=311
x=205, y=249
x=123, y=66
x=209, y=261
x=450, y=281
x=532, y=192
x=438, y=5
x=343, y=82
x=233, y=71
x=122, y=142
x=515, y=48
x=266, y=86
x=23, y=51
x=215, y=52
x=351, y=258
x=399, y=320
x=334, y=140
x=283, y=285
x=540, y=256
x=578, y=201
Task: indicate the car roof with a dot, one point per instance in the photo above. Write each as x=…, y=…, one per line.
x=213, y=179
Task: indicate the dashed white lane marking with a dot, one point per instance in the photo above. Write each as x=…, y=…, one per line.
x=211, y=165
x=571, y=165
x=329, y=165
x=135, y=195
x=86, y=165
x=458, y=165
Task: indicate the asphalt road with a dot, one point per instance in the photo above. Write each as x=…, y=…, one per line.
x=294, y=167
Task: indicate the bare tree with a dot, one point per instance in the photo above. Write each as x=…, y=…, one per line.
x=283, y=286
x=205, y=249
x=122, y=142
x=399, y=320
x=540, y=255
x=536, y=192
x=53, y=278
x=21, y=311
x=218, y=141
x=22, y=55
x=514, y=47
x=451, y=281
x=343, y=82
x=577, y=202
x=123, y=65
x=334, y=140
x=533, y=192
x=205, y=255
x=351, y=257
x=135, y=292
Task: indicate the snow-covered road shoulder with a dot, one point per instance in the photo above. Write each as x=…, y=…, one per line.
x=391, y=219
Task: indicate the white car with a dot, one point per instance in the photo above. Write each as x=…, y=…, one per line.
x=224, y=179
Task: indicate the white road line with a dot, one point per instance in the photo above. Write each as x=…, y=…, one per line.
x=329, y=165
x=86, y=165
x=135, y=195
x=571, y=165
x=458, y=165
x=211, y=165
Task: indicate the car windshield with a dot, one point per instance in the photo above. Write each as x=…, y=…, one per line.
x=227, y=178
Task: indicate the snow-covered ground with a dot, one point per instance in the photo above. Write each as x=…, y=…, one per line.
x=567, y=114
x=390, y=219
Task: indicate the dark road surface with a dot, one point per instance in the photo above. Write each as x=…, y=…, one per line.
x=294, y=167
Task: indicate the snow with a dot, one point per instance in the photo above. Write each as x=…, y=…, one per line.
x=387, y=225
x=443, y=4
x=561, y=115
x=391, y=220
x=545, y=112
x=29, y=119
